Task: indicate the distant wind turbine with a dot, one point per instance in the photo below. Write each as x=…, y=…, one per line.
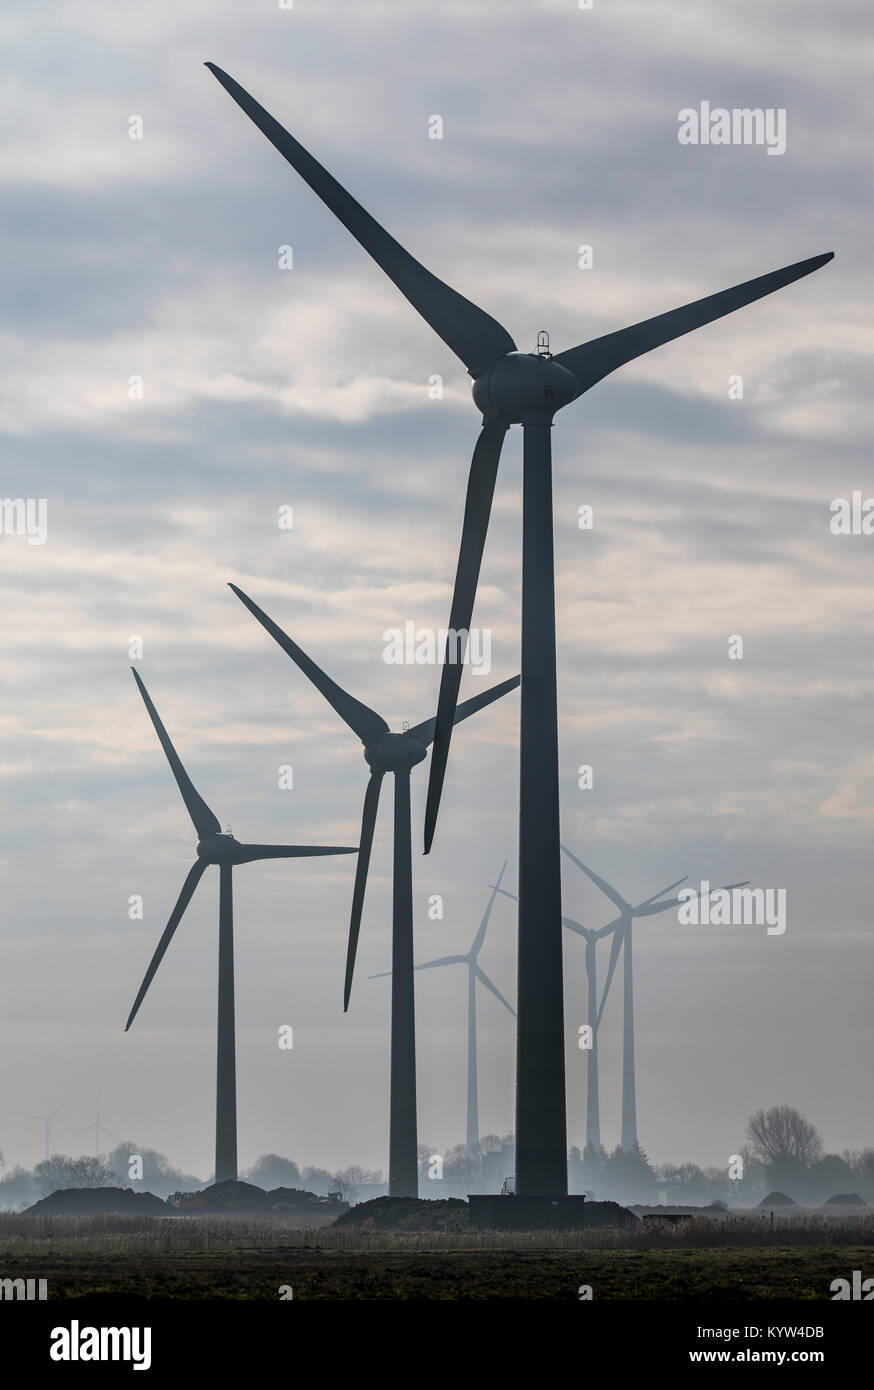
x=621, y=928
x=47, y=1121
x=215, y=848
x=474, y=972
x=98, y=1130
x=398, y=754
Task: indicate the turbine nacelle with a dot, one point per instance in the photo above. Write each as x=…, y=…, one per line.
x=217, y=849
x=395, y=753
x=524, y=388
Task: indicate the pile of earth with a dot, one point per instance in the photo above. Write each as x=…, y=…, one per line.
x=609, y=1214
x=778, y=1199
x=222, y=1199
x=713, y=1209
x=407, y=1214
x=450, y=1214
x=245, y=1199
x=845, y=1199
x=99, y=1201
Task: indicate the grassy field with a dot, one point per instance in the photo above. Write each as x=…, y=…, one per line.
x=222, y=1259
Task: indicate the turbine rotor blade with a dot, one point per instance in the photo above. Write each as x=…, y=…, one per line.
x=443, y=960
x=611, y=926
x=363, y=721
x=195, y=873
x=426, y=965
x=675, y=902
x=424, y=732
x=591, y=362
x=477, y=509
x=481, y=930
x=660, y=893
x=618, y=941
x=505, y=893
x=205, y=823
x=467, y=330
x=577, y=927
x=248, y=854
x=601, y=883
x=484, y=980
x=368, y=822
x=655, y=908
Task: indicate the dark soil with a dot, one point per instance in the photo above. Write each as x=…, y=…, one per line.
x=222, y=1199
x=99, y=1201
x=744, y=1275
x=450, y=1214
x=407, y=1214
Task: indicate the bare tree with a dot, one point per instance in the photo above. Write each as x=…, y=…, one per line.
x=460, y=1168
x=783, y=1132
x=59, y=1171
x=354, y=1181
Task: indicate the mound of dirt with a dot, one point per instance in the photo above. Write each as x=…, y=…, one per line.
x=778, y=1199
x=245, y=1199
x=845, y=1199
x=450, y=1214
x=221, y=1198
x=98, y=1201
x=406, y=1214
x=293, y=1201
x=609, y=1214
x=713, y=1211
x=671, y=1218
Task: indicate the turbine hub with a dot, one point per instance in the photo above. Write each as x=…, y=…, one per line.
x=524, y=389
x=217, y=849
x=395, y=753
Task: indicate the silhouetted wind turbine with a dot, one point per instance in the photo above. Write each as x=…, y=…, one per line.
x=98, y=1130
x=397, y=754
x=621, y=928
x=511, y=387
x=47, y=1121
x=474, y=972
x=215, y=848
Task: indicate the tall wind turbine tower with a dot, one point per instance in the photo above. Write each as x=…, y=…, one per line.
x=527, y=389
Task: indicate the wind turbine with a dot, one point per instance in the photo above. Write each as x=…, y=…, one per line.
x=511, y=387
x=474, y=972
x=397, y=754
x=215, y=848
x=98, y=1130
x=591, y=936
x=621, y=928
x=47, y=1121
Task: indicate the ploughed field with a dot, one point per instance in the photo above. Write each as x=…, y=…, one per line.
x=222, y=1258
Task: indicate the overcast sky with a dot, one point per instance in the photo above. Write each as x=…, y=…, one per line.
x=265, y=387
